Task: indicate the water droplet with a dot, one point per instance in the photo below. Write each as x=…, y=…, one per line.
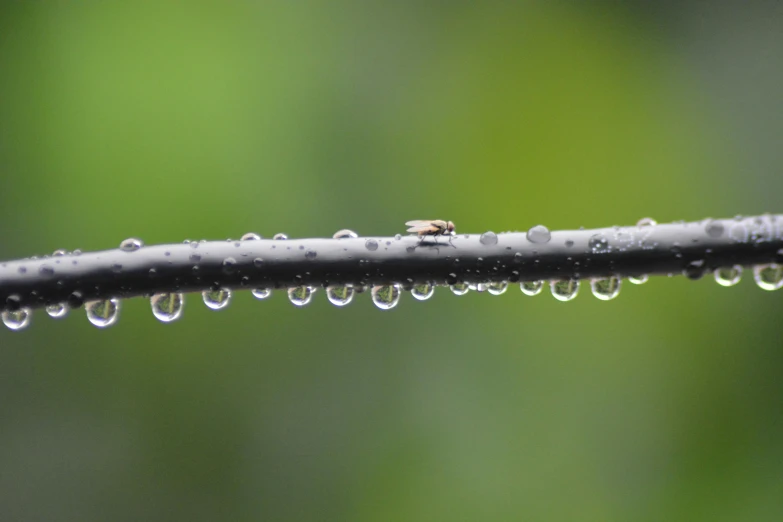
x=46, y=270
x=488, y=238
x=229, y=265
x=768, y=277
x=339, y=295
x=638, y=279
x=103, y=313
x=606, y=288
x=216, y=299
x=539, y=234
x=599, y=244
x=569, y=243
x=646, y=222
x=261, y=293
x=497, y=288
x=565, y=289
x=695, y=269
x=300, y=295
x=459, y=288
x=280, y=236
x=57, y=311
x=250, y=236
x=311, y=254
x=345, y=234
x=60, y=252
x=371, y=245
x=130, y=245
x=423, y=291
x=386, y=297
x=167, y=307
x=18, y=319
x=715, y=228
x=728, y=275
x=76, y=299
x=531, y=287
x=193, y=244
x=397, y=236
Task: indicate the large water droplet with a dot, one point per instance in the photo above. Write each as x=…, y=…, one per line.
x=339, y=295
x=728, y=275
x=386, y=297
x=300, y=295
x=371, y=245
x=565, y=289
x=531, y=287
x=57, y=311
x=103, y=313
x=768, y=277
x=488, y=238
x=539, y=234
x=423, y=291
x=261, y=293
x=638, y=279
x=606, y=288
x=497, y=287
x=216, y=299
x=167, y=307
x=459, y=288
x=345, y=234
x=250, y=236
x=130, y=245
x=280, y=236
x=18, y=319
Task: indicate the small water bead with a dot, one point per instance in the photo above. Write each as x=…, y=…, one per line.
x=695, y=269
x=250, y=236
x=715, y=229
x=300, y=295
x=497, y=288
x=599, y=244
x=728, y=275
x=229, y=265
x=60, y=252
x=397, y=237
x=639, y=279
x=18, y=319
x=459, y=288
x=167, y=307
x=131, y=245
x=371, y=245
x=280, y=236
x=345, y=234
x=565, y=289
x=539, y=234
x=261, y=293
x=102, y=313
x=768, y=277
x=531, y=287
x=216, y=299
x=606, y=288
x=646, y=222
x=339, y=295
x=57, y=311
x=386, y=297
x=46, y=270
x=488, y=238
x=423, y=291
x=311, y=254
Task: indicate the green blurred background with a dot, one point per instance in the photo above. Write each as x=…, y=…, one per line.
x=168, y=121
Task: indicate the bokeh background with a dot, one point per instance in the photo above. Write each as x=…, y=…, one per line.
x=168, y=121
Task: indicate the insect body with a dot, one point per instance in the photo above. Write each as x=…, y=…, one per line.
x=431, y=227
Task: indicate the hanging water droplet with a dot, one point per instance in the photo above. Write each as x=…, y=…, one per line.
x=103, y=313
x=167, y=307
x=459, y=288
x=57, y=311
x=728, y=275
x=216, y=299
x=768, y=277
x=311, y=254
x=386, y=297
x=18, y=319
x=131, y=245
x=423, y=291
x=261, y=293
x=345, y=234
x=639, y=279
x=539, y=234
x=565, y=289
x=250, y=236
x=488, y=238
x=531, y=287
x=339, y=295
x=371, y=245
x=280, y=236
x=599, y=244
x=646, y=222
x=606, y=288
x=300, y=295
x=497, y=287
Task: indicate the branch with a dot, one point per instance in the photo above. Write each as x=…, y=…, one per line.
x=567, y=256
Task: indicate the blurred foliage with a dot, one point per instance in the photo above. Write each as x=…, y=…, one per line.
x=168, y=121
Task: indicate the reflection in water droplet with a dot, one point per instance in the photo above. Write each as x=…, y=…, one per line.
x=497, y=288
x=768, y=277
x=300, y=295
x=531, y=287
x=130, y=245
x=345, y=234
x=57, y=311
x=216, y=299
x=261, y=293
x=250, y=236
x=564, y=290
x=646, y=222
x=339, y=295
x=539, y=234
x=639, y=279
x=488, y=238
x=103, y=313
x=728, y=275
x=386, y=297
x=280, y=236
x=459, y=288
x=423, y=291
x=606, y=288
x=18, y=319
x=371, y=245
x=167, y=307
